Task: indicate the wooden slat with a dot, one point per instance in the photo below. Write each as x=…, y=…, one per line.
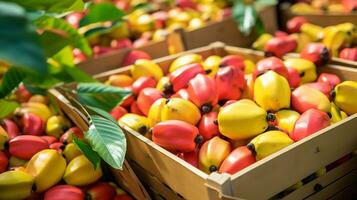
x=349, y=193
x=343, y=62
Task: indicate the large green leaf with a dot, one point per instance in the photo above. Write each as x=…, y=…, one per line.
x=62, y=27
x=108, y=140
x=87, y=150
x=100, y=112
x=19, y=44
x=102, y=12
x=100, y=95
x=11, y=80
x=56, y=41
x=7, y=107
x=64, y=56
x=57, y=6
x=78, y=75
x=101, y=30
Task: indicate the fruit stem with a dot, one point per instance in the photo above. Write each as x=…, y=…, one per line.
x=206, y=108
x=142, y=129
x=213, y=168
x=198, y=139
x=251, y=147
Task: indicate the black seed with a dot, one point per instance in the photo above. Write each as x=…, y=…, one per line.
x=270, y=117
x=142, y=129
x=213, y=168
x=208, y=71
x=215, y=122
x=198, y=139
x=251, y=147
x=167, y=100
x=168, y=89
x=325, y=56
x=302, y=74
x=206, y=108
x=222, y=102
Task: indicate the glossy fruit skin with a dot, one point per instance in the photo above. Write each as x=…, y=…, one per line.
x=207, y=127
x=316, y=53
x=331, y=79
x=49, y=139
x=294, y=24
x=184, y=60
x=294, y=77
x=279, y=46
x=212, y=64
x=345, y=96
x=39, y=109
x=230, y=83
x=117, y=112
x=144, y=67
x=22, y=94
x=32, y=124
x=165, y=135
x=260, y=43
x=306, y=68
x=136, y=122
x=41, y=168
x=304, y=97
x=180, y=109
x=71, y=151
x=154, y=115
x=286, y=119
x=56, y=125
x=134, y=108
x=4, y=161
x=236, y=121
x=60, y=192
x=15, y=185
x=237, y=160
x=120, y=80
x=268, y=143
x=10, y=127
x=67, y=136
x=325, y=88
x=182, y=93
x=133, y=56
x=102, y=191
x=128, y=101
x=308, y=123
x=146, y=98
x=190, y=157
x=80, y=172
x=143, y=82
x=202, y=92
x=349, y=54
x=4, y=138
x=25, y=146
x=236, y=61
x=58, y=146
x=336, y=114
x=181, y=77
x=271, y=63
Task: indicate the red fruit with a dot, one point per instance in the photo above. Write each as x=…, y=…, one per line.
x=183, y=94
x=349, y=54
x=186, y=4
x=280, y=34
x=322, y=87
x=294, y=24
x=143, y=82
x=67, y=136
x=4, y=161
x=229, y=103
x=279, y=46
x=160, y=18
x=135, y=109
x=165, y=135
x=101, y=191
x=237, y=160
x=331, y=79
x=123, y=197
x=207, y=126
x=350, y=5
x=140, y=42
x=49, y=139
x=32, y=124
x=190, y=157
x=134, y=55
x=202, y=92
x=308, y=123
x=181, y=77
x=230, y=83
x=79, y=56
x=99, y=50
x=117, y=112
x=22, y=94
x=227, y=13
x=25, y=146
x=61, y=192
x=146, y=98
x=121, y=43
x=124, y=5
x=271, y=63
x=10, y=127
x=58, y=146
x=306, y=97
x=128, y=101
x=316, y=53
x=294, y=77
x=236, y=61
x=74, y=18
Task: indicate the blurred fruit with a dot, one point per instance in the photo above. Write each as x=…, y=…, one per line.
x=316, y=33
x=229, y=82
x=22, y=94
x=39, y=98
x=316, y=53
x=182, y=93
x=71, y=151
x=67, y=137
x=80, y=171
x=249, y=66
x=136, y=122
x=237, y=160
x=286, y=119
x=260, y=43
x=268, y=143
x=303, y=8
x=10, y=127
x=334, y=39
x=121, y=31
x=47, y=168
x=180, y=78
x=212, y=64
x=144, y=67
x=135, y=55
x=49, y=139
x=294, y=77
x=61, y=192
x=4, y=161
x=146, y=98
x=135, y=109
x=304, y=97
x=207, y=125
x=3, y=138
x=295, y=23
x=236, y=61
x=185, y=60
x=120, y=80
x=212, y=154
x=163, y=85
x=16, y=162
x=331, y=79
x=349, y=54
x=143, y=82
x=325, y=88
x=308, y=123
x=306, y=68
x=271, y=63
x=336, y=113
x=15, y=185
x=101, y=191
x=31, y=124
x=279, y=46
x=154, y=115
x=58, y=146
x=25, y=146
x=345, y=95
x=180, y=109
x=117, y=112
x=56, y=125
x=39, y=109
x=302, y=41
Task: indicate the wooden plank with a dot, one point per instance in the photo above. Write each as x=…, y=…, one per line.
x=343, y=62
x=349, y=193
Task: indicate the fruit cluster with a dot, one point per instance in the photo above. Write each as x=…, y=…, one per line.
x=142, y=26
x=340, y=40
x=225, y=113
x=322, y=6
x=38, y=159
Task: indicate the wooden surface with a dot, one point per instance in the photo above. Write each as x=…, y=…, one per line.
x=343, y=62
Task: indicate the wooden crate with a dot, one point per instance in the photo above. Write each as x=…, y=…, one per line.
x=227, y=31
x=172, y=178
x=126, y=178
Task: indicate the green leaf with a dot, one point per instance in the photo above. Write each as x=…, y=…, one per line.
x=33, y=89
x=100, y=95
x=63, y=28
x=246, y=16
x=100, y=30
x=108, y=140
x=87, y=150
x=11, y=80
x=100, y=112
x=58, y=6
x=57, y=42
x=102, y=12
x=7, y=107
x=64, y=56
x=78, y=75
x=259, y=27
x=19, y=41
x=145, y=6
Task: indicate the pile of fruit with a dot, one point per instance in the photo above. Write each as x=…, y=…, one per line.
x=39, y=161
x=323, y=6
x=142, y=26
x=337, y=41
x=225, y=113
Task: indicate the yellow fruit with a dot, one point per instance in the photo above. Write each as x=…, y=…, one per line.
x=160, y=35
x=345, y=96
x=143, y=67
x=315, y=33
x=334, y=39
x=15, y=185
x=156, y=108
x=47, y=168
x=195, y=23
x=71, y=151
x=303, y=8
x=268, y=143
x=336, y=113
x=260, y=43
x=286, y=119
x=143, y=23
x=39, y=98
x=336, y=8
x=162, y=82
x=120, y=80
x=302, y=40
x=185, y=60
x=56, y=125
x=249, y=66
x=350, y=30
x=272, y=91
x=39, y=109
x=306, y=68
x=242, y=120
x=121, y=31
x=16, y=162
x=136, y=122
x=81, y=172
x=212, y=63
x=180, y=109
x=248, y=90
x=3, y=138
